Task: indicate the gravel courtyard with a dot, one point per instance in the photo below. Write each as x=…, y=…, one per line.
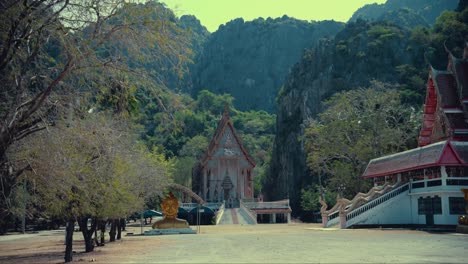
x=282, y=243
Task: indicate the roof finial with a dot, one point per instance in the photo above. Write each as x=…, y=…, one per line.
x=426, y=59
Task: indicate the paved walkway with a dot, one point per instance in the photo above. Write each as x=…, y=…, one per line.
x=233, y=216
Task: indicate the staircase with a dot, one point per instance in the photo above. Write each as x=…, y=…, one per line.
x=235, y=216
x=374, y=208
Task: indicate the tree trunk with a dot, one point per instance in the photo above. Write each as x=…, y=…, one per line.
x=112, y=231
x=69, y=240
x=87, y=233
x=96, y=241
x=119, y=228
x=103, y=232
x=123, y=223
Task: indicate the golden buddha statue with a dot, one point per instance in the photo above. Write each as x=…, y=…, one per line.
x=170, y=206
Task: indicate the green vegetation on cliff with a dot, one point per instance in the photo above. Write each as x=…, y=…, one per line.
x=363, y=51
x=250, y=60
x=426, y=10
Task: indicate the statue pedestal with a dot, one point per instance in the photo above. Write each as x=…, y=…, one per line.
x=169, y=231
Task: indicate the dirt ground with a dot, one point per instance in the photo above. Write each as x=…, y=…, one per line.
x=280, y=243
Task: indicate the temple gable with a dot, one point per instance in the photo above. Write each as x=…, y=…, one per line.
x=446, y=106
x=225, y=172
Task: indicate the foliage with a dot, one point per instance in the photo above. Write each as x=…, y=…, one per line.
x=58, y=54
x=310, y=198
x=362, y=51
x=355, y=127
x=188, y=138
x=92, y=167
x=408, y=13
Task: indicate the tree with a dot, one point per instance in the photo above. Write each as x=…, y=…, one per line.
x=54, y=50
x=90, y=169
x=355, y=127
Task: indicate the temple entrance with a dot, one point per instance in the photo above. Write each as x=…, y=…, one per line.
x=227, y=188
x=226, y=193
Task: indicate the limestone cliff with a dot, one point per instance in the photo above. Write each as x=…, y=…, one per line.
x=361, y=52
x=250, y=60
x=429, y=10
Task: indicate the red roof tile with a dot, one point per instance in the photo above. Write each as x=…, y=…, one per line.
x=437, y=154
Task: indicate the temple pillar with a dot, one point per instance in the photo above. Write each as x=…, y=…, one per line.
x=443, y=175
x=274, y=218
x=289, y=217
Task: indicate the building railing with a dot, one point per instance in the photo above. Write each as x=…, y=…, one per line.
x=219, y=214
x=373, y=203
x=283, y=204
x=247, y=212
x=450, y=181
x=345, y=210
x=457, y=181
x=330, y=217
x=188, y=206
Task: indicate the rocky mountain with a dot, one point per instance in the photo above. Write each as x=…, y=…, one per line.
x=361, y=52
x=426, y=10
x=250, y=60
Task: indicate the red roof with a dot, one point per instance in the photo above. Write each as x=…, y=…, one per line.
x=437, y=154
x=223, y=124
x=446, y=103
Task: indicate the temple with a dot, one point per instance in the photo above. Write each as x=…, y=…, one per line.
x=224, y=179
x=420, y=186
x=225, y=171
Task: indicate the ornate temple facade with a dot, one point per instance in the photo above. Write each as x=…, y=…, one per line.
x=421, y=186
x=226, y=170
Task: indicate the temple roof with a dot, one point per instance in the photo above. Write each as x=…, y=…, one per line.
x=450, y=153
x=223, y=124
x=446, y=104
x=443, y=139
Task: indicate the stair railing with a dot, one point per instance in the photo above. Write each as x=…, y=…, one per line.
x=331, y=217
x=250, y=214
x=368, y=205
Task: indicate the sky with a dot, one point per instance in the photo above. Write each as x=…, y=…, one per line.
x=213, y=13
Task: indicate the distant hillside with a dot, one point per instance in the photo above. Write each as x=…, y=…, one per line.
x=250, y=60
x=426, y=10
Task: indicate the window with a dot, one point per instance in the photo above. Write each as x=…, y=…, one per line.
x=457, y=171
x=457, y=205
x=437, y=205
x=429, y=205
x=421, y=207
